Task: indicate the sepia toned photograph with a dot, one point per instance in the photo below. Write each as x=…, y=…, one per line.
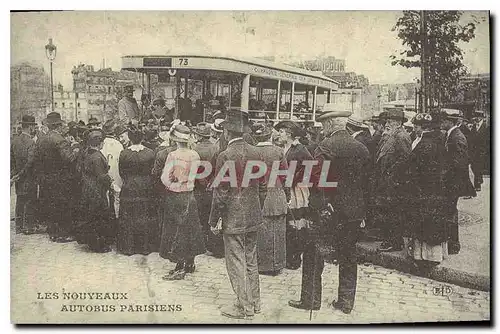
x=250, y=167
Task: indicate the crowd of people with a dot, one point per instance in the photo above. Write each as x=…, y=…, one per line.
x=127, y=183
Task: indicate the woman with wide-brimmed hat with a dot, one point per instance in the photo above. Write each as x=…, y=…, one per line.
x=299, y=213
x=138, y=222
x=181, y=233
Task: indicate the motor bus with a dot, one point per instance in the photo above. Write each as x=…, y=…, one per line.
x=205, y=84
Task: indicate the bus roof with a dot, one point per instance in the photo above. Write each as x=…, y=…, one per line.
x=255, y=67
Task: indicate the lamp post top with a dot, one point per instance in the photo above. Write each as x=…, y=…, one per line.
x=50, y=50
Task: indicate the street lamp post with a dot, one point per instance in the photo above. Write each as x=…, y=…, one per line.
x=50, y=51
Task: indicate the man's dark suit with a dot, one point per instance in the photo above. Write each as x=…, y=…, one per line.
x=457, y=182
x=55, y=159
x=21, y=162
x=479, y=148
x=240, y=210
x=349, y=166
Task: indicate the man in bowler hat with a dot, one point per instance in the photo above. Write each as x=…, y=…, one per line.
x=56, y=157
x=240, y=209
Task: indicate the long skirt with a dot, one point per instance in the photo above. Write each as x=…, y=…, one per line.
x=181, y=233
x=137, y=227
x=271, y=242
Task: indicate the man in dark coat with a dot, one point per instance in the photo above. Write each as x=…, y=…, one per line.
x=390, y=180
x=55, y=157
x=377, y=123
x=22, y=152
x=479, y=147
x=239, y=207
x=339, y=211
x=128, y=110
x=208, y=152
x=456, y=174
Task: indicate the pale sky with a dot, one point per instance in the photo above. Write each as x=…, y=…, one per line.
x=363, y=38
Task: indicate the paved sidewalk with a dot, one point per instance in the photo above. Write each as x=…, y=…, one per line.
x=383, y=295
x=471, y=267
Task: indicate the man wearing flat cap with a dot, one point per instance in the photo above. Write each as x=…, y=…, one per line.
x=56, y=159
x=338, y=211
x=22, y=152
x=240, y=209
x=390, y=180
x=456, y=174
x=128, y=109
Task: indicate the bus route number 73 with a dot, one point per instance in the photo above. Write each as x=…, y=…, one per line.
x=183, y=61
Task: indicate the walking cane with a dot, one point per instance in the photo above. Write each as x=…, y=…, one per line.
x=314, y=269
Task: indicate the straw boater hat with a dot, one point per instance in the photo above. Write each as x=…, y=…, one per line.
x=452, y=114
x=202, y=129
x=180, y=133
x=331, y=110
x=356, y=121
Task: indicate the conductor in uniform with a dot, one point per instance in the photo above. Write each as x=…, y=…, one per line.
x=338, y=211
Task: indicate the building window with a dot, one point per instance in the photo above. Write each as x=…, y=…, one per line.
x=55, y=104
x=109, y=90
x=63, y=104
x=78, y=104
x=71, y=104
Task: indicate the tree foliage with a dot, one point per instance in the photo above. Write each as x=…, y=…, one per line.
x=444, y=57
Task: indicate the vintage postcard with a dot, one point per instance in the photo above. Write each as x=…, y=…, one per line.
x=250, y=167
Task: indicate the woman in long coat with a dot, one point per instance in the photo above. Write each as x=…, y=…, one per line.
x=181, y=232
x=299, y=213
x=138, y=222
x=94, y=227
x=271, y=240
x=425, y=234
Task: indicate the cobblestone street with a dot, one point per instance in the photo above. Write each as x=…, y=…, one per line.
x=39, y=266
